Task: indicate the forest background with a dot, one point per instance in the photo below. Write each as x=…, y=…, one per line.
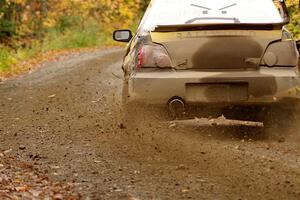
x=31, y=29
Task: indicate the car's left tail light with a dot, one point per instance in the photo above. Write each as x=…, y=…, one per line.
x=152, y=55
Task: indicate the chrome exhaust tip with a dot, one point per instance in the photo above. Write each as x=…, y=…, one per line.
x=176, y=106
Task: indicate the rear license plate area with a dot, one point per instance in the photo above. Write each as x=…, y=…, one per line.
x=217, y=92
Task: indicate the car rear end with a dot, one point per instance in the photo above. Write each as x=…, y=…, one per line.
x=214, y=60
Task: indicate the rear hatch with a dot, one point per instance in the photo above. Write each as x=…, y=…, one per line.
x=216, y=49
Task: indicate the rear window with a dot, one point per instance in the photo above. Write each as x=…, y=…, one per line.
x=177, y=12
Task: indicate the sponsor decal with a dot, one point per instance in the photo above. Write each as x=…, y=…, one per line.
x=197, y=34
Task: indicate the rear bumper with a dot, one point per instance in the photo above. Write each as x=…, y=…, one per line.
x=266, y=86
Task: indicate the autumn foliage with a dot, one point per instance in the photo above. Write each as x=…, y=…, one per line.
x=294, y=8
x=22, y=18
x=31, y=27
x=33, y=18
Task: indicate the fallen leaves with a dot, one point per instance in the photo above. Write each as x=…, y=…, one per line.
x=20, y=180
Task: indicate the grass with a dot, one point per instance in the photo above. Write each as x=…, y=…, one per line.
x=7, y=59
x=88, y=36
x=55, y=39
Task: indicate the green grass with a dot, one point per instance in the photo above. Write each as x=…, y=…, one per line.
x=77, y=37
x=73, y=37
x=7, y=58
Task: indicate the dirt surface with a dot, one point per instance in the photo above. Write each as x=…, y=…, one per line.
x=65, y=120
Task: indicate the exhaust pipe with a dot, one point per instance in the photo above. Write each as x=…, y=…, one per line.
x=176, y=106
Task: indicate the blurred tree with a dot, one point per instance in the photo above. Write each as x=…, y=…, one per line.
x=32, y=18
x=25, y=18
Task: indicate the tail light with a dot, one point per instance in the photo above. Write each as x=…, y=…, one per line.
x=152, y=55
x=281, y=54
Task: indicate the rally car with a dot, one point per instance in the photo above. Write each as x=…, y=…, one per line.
x=198, y=54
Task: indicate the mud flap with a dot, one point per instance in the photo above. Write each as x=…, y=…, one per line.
x=220, y=121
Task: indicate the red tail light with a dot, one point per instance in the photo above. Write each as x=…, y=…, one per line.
x=140, y=58
x=153, y=56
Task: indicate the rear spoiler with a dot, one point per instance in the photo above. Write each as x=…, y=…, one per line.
x=236, y=26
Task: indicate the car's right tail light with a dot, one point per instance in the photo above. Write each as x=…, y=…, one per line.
x=281, y=54
x=153, y=55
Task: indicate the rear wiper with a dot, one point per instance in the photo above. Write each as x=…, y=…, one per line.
x=198, y=6
x=235, y=20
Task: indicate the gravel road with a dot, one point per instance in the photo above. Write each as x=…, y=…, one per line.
x=65, y=119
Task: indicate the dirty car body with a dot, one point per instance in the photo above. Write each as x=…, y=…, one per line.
x=212, y=52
